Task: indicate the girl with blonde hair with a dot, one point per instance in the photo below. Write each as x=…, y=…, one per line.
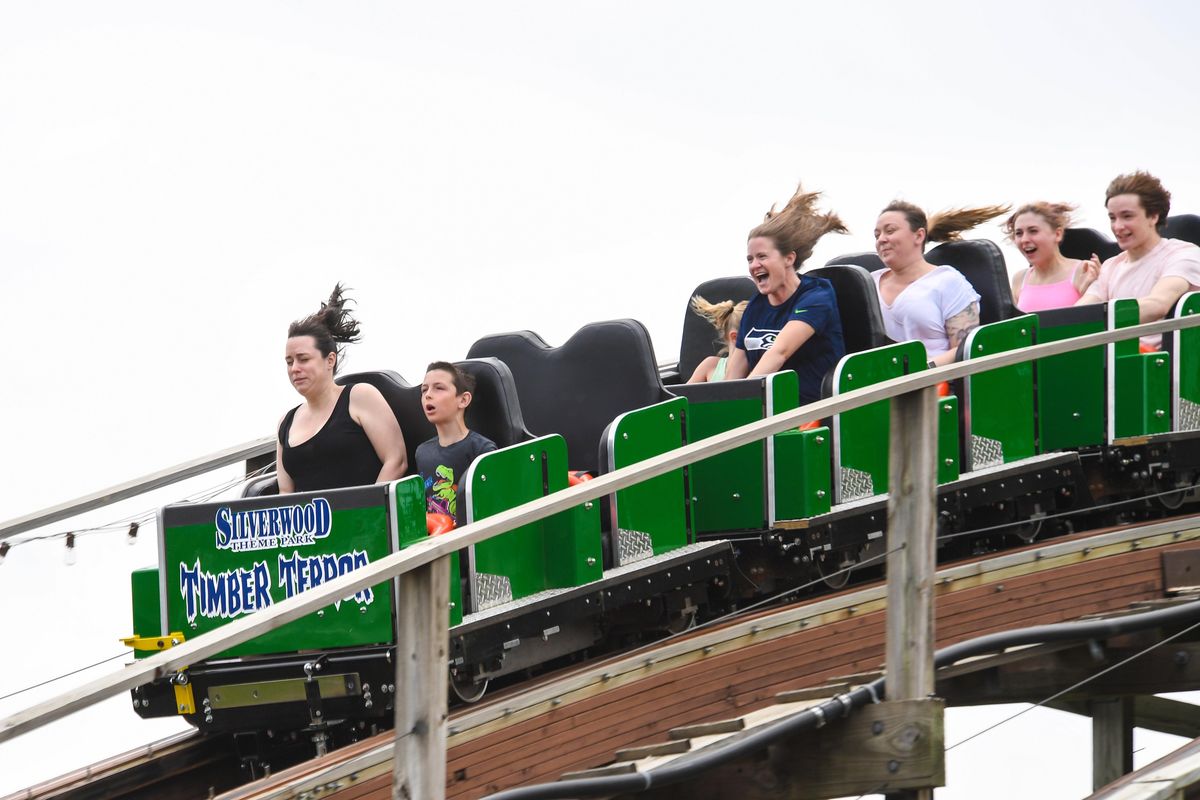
x=1052, y=280
x=725, y=317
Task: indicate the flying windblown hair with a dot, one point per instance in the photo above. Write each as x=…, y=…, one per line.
x=1056, y=215
x=725, y=316
x=948, y=225
x=332, y=327
x=798, y=226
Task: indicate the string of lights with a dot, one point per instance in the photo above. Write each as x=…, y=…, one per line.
x=130, y=524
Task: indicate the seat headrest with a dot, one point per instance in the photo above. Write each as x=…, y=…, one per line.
x=1183, y=226
x=1083, y=242
x=405, y=402
x=982, y=264
x=576, y=389
x=858, y=305
x=495, y=410
x=868, y=261
x=699, y=340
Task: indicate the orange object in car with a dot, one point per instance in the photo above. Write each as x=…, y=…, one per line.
x=437, y=524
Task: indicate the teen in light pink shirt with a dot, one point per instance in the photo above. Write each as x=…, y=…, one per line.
x=1052, y=280
x=1154, y=270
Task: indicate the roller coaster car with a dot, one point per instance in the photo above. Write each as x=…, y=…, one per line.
x=1016, y=445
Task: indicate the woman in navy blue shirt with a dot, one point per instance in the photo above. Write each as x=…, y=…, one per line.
x=793, y=323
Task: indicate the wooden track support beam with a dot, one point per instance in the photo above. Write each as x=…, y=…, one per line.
x=1112, y=739
x=422, y=652
x=912, y=553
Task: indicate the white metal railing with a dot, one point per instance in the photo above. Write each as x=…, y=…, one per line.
x=420, y=759
x=132, y=488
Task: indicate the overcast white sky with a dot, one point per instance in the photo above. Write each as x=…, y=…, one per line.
x=179, y=181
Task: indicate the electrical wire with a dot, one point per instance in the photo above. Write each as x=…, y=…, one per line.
x=64, y=675
x=1077, y=685
x=146, y=516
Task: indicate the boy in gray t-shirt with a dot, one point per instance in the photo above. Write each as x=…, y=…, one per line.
x=444, y=459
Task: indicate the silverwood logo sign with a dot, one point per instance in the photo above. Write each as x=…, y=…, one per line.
x=273, y=528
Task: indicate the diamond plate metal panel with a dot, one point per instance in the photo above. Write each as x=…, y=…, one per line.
x=855, y=485
x=986, y=452
x=633, y=546
x=492, y=590
x=1189, y=415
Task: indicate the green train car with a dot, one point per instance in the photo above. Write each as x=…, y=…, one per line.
x=1107, y=434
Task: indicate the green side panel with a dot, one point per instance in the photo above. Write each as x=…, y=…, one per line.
x=783, y=391
x=504, y=479
x=1070, y=391
x=146, y=609
x=558, y=552
x=408, y=509
x=728, y=491
x=1125, y=313
x=1143, y=394
x=863, y=433
x=656, y=507
x=574, y=554
x=802, y=477
x=1001, y=400
x=1141, y=381
x=1187, y=356
x=223, y=560
x=948, y=440
x=573, y=550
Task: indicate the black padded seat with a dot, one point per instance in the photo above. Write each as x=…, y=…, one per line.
x=979, y=260
x=982, y=264
x=1081, y=243
x=858, y=305
x=699, y=340
x=578, y=388
x=495, y=409
x=868, y=261
x=1183, y=226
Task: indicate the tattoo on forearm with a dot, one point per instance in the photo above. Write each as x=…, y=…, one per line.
x=962, y=323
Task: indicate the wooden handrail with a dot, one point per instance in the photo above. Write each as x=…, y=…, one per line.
x=425, y=552
x=132, y=488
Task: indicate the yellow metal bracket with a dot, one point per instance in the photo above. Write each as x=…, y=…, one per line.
x=185, y=700
x=153, y=643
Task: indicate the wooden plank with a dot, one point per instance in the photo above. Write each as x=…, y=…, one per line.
x=1112, y=739
x=422, y=652
x=137, y=486
x=813, y=693
x=708, y=728
x=1151, y=713
x=912, y=553
x=648, y=750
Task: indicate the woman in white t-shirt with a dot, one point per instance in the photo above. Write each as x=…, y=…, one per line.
x=935, y=305
x=1153, y=270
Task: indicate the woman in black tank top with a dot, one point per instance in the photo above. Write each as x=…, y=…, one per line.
x=340, y=435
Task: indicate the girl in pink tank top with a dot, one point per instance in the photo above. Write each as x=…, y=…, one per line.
x=1052, y=280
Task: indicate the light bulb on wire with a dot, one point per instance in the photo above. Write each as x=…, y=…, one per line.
x=131, y=537
x=70, y=557
x=4, y=548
